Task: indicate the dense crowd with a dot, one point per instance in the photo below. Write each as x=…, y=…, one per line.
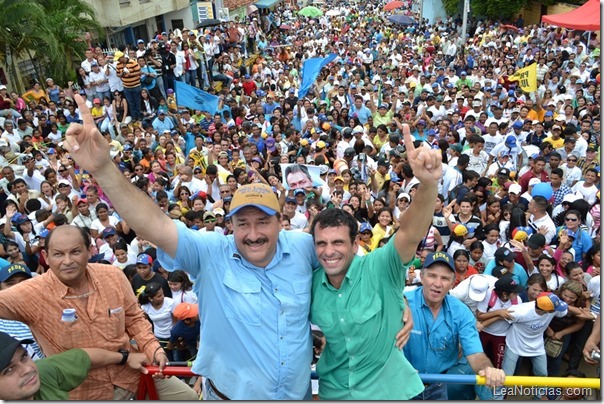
x=519, y=195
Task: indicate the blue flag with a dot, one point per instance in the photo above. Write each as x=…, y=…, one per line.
x=310, y=71
x=194, y=98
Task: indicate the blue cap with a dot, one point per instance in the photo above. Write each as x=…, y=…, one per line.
x=51, y=151
x=43, y=233
x=517, y=125
x=144, y=259
x=431, y=132
x=128, y=146
x=299, y=191
x=440, y=256
x=108, y=231
x=549, y=113
x=511, y=93
x=290, y=199
x=19, y=218
x=510, y=140
x=365, y=227
x=11, y=270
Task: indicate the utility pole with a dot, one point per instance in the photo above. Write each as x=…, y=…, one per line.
x=464, y=26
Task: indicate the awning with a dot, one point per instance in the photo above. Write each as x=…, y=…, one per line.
x=266, y=3
x=585, y=18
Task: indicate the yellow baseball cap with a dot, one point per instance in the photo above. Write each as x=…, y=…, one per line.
x=259, y=196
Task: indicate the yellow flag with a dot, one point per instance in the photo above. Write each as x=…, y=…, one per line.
x=527, y=78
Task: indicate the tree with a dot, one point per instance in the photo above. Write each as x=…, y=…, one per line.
x=21, y=33
x=497, y=9
x=67, y=21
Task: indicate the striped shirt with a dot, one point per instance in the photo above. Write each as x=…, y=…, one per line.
x=20, y=331
x=133, y=78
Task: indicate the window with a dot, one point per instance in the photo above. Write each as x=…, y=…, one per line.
x=204, y=10
x=178, y=24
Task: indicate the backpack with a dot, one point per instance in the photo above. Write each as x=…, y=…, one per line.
x=494, y=298
x=453, y=193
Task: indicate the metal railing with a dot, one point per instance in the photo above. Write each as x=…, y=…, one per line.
x=146, y=387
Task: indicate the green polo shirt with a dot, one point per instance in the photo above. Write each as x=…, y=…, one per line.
x=360, y=322
x=61, y=373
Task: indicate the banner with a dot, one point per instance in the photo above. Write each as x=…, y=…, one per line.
x=310, y=70
x=302, y=176
x=194, y=98
x=526, y=78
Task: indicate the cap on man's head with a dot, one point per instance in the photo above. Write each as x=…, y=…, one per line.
x=517, y=125
x=549, y=302
x=259, y=196
x=209, y=214
x=108, y=231
x=504, y=254
x=185, y=310
x=144, y=259
x=441, y=257
x=507, y=284
x=478, y=288
x=510, y=141
x=8, y=347
x=365, y=227
x=349, y=152
x=515, y=189
x=11, y=270
x=504, y=171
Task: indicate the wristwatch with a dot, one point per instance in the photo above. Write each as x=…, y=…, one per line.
x=125, y=355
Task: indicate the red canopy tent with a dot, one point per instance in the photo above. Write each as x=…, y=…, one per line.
x=584, y=18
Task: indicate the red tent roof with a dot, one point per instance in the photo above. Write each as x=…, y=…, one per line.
x=585, y=18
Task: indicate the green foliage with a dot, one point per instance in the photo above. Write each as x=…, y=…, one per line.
x=497, y=9
x=452, y=7
x=52, y=31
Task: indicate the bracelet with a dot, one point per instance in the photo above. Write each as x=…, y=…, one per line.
x=155, y=353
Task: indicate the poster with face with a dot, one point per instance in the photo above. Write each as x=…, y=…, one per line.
x=300, y=176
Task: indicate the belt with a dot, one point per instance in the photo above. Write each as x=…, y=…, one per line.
x=218, y=393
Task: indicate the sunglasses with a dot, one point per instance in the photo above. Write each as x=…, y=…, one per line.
x=209, y=220
x=571, y=160
x=571, y=219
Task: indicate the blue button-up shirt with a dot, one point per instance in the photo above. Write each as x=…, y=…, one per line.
x=434, y=343
x=255, y=341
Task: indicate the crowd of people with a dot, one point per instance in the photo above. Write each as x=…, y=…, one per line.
x=447, y=203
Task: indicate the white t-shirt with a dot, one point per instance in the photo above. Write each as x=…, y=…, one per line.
x=491, y=141
x=477, y=163
x=525, y=336
x=162, y=317
x=571, y=175
x=186, y=297
x=299, y=221
x=500, y=327
x=589, y=194
x=98, y=226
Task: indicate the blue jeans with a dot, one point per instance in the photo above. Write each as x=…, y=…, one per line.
x=509, y=366
x=133, y=97
x=191, y=77
x=434, y=391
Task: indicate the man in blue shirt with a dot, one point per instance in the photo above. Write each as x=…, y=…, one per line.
x=441, y=323
x=253, y=286
x=359, y=110
x=161, y=123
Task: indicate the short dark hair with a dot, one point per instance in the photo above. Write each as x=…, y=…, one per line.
x=333, y=217
x=81, y=230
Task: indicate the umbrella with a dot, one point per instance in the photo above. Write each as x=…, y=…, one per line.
x=401, y=19
x=333, y=13
x=208, y=22
x=310, y=11
x=507, y=26
x=285, y=27
x=393, y=5
x=251, y=9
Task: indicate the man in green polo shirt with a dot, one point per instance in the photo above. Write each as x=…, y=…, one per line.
x=54, y=377
x=357, y=301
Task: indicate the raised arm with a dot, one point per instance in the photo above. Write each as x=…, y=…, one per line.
x=427, y=167
x=91, y=151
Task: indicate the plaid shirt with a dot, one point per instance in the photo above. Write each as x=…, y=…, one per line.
x=109, y=318
x=560, y=194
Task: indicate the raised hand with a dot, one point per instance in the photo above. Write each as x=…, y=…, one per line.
x=425, y=162
x=85, y=143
